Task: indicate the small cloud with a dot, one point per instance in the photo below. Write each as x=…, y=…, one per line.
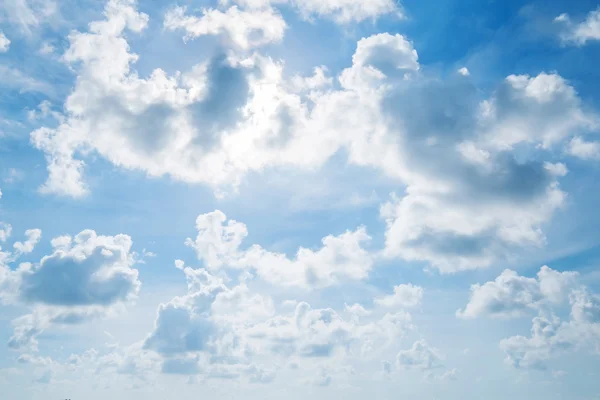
x=4, y=43
x=13, y=175
x=47, y=48
x=464, y=71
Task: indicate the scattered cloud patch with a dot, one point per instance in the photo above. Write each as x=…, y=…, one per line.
x=580, y=33
x=4, y=43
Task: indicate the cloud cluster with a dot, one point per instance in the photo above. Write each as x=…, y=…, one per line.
x=468, y=201
x=4, y=43
x=582, y=32
x=223, y=330
x=244, y=29
x=86, y=276
x=341, y=258
x=404, y=296
x=511, y=295
x=550, y=337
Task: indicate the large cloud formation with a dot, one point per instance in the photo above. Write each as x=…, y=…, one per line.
x=220, y=330
x=468, y=200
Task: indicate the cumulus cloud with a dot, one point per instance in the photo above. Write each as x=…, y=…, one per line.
x=33, y=237
x=420, y=356
x=511, y=295
x=550, y=337
x=340, y=258
x=85, y=277
x=318, y=80
x=199, y=126
x=459, y=211
x=4, y=43
x=220, y=330
x=404, y=296
x=582, y=32
x=244, y=29
x=583, y=149
x=468, y=201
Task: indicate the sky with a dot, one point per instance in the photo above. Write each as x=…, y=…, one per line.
x=250, y=199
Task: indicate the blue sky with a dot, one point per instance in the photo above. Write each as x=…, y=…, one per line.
x=257, y=198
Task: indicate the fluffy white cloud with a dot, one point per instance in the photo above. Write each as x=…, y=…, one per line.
x=468, y=201
x=464, y=71
x=33, y=237
x=340, y=258
x=244, y=29
x=583, y=32
x=404, y=296
x=463, y=182
x=551, y=337
x=85, y=277
x=511, y=295
x=218, y=331
x=211, y=124
x=583, y=149
x=4, y=43
x=420, y=356
x=319, y=80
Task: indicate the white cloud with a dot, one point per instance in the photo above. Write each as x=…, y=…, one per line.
x=222, y=331
x=5, y=231
x=550, y=337
x=511, y=295
x=33, y=237
x=583, y=32
x=318, y=80
x=346, y=11
x=468, y=201
x=464, y=71
x=340, y=11
x=583, y=149
x=47, y=48
x=4, y=43
x=404, y=296
x=542, y=109
x=420, y=356
x=85, y=277
x=340, y=258
x=244, y=29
